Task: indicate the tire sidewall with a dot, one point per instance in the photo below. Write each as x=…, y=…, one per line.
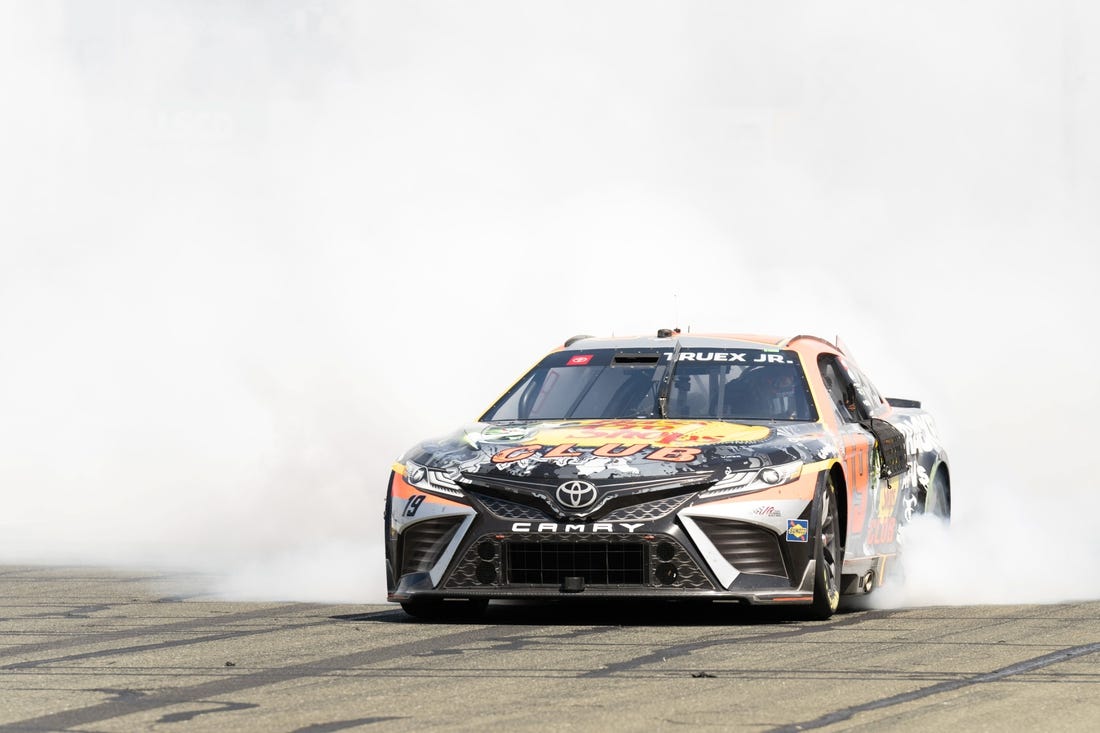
x=826, y=600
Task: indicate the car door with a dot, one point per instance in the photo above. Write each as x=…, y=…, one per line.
x=875, y=460
x=857, y=445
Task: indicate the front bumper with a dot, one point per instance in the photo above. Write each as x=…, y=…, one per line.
x=698, y=550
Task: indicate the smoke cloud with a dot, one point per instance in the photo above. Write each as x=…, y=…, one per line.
x=250, y=253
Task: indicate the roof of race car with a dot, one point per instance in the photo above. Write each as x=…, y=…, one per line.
x=687, y=340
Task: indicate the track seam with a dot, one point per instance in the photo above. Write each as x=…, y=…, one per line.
x=237, y=682
x=1062, y=655
x=685, y=649
x=90, y=638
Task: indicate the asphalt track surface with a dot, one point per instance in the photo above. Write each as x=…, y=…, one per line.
x=98, y=650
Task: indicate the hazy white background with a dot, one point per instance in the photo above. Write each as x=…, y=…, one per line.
x=250, y=252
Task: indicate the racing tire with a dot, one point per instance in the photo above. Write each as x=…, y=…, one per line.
x=438, y=609
x=937, y=500
x=828, y=553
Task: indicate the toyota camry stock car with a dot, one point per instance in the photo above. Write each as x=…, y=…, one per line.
x=742, y=468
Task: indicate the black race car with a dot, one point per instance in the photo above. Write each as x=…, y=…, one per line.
x=748, y=468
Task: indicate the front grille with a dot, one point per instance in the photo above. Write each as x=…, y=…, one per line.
x=538, y=563
x=599, y=563
x=509, y=509
x=424, y=542
x=648, y=511
x=747, y=547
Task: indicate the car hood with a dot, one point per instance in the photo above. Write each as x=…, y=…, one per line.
x=614, y=450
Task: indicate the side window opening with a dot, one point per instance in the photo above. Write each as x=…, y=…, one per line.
x=869, y=396
x=842, y=392
x=852, y=394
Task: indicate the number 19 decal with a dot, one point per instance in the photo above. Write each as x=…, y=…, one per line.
x=413, y=504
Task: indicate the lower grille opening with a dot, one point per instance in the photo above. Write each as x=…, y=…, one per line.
x=622, y=563
x=599, y=563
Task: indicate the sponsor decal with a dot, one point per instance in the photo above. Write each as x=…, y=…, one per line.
x=798, y=530
x=575, y=528
x=579, y=360
x=576, y=494
x=888, y=498
x=673, y=433
x=613, y=450
x=882, y=531
x=919, y=431
x=857, y=458
x=767, y=511
x=673, y=441
x=740, y=357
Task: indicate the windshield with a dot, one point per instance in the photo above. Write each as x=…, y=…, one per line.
x=719, y=384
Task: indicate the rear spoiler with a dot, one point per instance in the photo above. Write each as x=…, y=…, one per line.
x=899, y=402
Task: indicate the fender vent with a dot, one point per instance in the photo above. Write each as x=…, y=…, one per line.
x=748, y=548
x=424, y=542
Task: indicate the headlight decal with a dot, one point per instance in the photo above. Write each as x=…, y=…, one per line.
x=404, y=498
x=432, y=480
x=743, y=482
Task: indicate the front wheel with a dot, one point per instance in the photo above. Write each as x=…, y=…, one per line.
x=828, y=554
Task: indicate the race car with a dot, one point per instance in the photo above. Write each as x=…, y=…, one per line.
x=740, y=468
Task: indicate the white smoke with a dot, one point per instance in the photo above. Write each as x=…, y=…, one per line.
x=251, y=253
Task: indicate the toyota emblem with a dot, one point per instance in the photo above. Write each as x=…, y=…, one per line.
x=576, y=494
